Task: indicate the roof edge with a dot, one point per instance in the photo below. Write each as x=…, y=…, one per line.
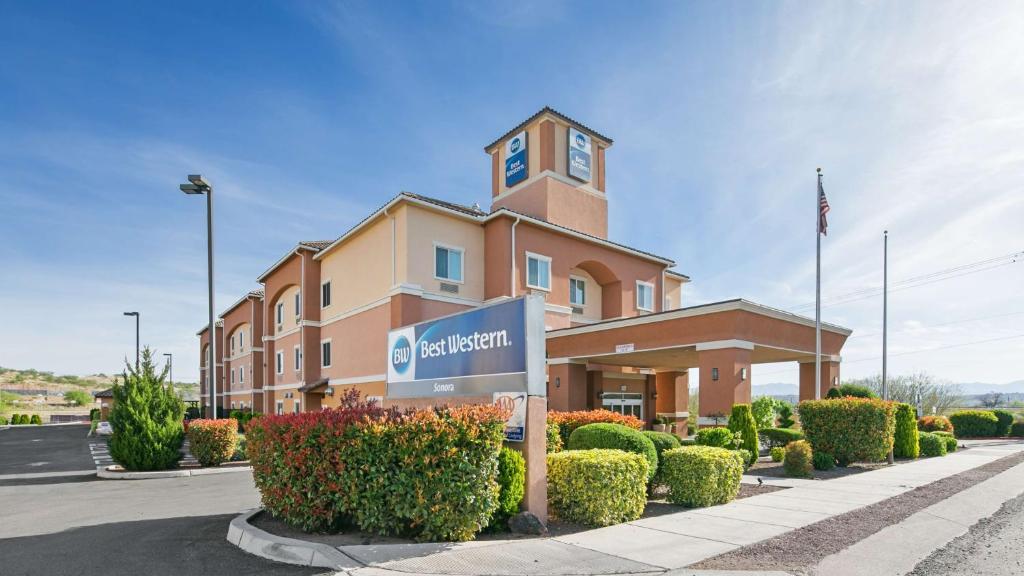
x=549, y=110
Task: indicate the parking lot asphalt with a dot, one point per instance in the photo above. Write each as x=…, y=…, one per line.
x=56, y=522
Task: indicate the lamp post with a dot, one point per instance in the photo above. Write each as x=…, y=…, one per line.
x=136, y=314
x=197, y=185
x=170, y=367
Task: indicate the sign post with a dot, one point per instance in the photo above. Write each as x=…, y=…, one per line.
x=495, y=351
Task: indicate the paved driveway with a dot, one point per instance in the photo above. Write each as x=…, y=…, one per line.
x=57, y=521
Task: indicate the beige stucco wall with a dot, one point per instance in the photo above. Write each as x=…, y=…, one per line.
x=592, y=298
x=246, y=343
x=359, y=269
x=673, y=292
x=288, y=321
x=423, y=229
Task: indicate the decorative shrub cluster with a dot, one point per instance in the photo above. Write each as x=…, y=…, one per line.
x=850, y=429
x=974, y=423
x=702, y=475
x=1017, y=429
x=797, y=460
x=213, y=442
x=569, y=421
x=717, y=437
x=597, y=487
x=851, y=390
x=772, y=437
x=428, y=474
x=20, y=419
x=934, y=424
x=777, y=453
x=1005, y=421
x=742, y=424
x=823, y=461
x=554, y=439
x=146, y=419
x=932, y=445
x=905, y=444
x=618, y=437
x=949, y=439
x=512, y=486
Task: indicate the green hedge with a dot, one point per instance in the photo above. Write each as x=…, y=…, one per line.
x=1005, y=421
x=597, y=487
x=905, y=444
x=798, y=459
x=851, y=391
x=742, y=424
x=1017, y=429
x=662, y=441
x=934, y=424
x=773, y=437
x=974, y=423
x=702, y=475
x=512, y=486
x=850, y=429
x=932, y=445
x=717, y=437
x=618, y=437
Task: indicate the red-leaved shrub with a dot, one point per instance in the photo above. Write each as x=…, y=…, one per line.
x=934, y=424
x=213, y=442
x=569, y=421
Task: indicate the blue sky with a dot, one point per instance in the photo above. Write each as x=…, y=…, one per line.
x=306, y=116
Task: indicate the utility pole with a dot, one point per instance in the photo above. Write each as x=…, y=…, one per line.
x=885, y=321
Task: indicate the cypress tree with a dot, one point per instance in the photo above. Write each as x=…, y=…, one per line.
x=146, y=418
x=742, y=421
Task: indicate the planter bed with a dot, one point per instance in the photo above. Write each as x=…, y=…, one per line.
x=765, y=467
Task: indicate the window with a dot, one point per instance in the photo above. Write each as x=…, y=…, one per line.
x=298, y=406
x=241, y=340
x=630, y=404
x=280, y=314
x=232, y=345
x=538, y=271
x=298, y=303
x=280, y=407
x=447, y=263
x=577, y=291
x=325, y=294
x=232, y=405
x=298, y=358
x=241, y=374
x=325, y=353
x=232, y=376
x=241, y=405
x=279, y=362
x=645, y=296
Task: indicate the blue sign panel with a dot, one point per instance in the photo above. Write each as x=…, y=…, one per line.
x=515, y=159
x=481, y=351
x=579, y=155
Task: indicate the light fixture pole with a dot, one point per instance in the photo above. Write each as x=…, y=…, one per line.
x=197, y=185
x=885, y=323
x=170, y=367
x=136, y=314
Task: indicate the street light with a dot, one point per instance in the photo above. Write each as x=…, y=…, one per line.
x=170, y=367
x=197, y=185
x=136, y=314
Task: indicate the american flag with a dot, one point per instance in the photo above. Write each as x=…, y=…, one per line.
x=822, y=209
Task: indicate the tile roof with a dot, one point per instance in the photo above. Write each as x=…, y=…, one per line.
x=108, y=393
x=256, y=293
x=316, y=244
x=553, y=112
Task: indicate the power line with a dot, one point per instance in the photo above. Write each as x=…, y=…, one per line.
x=961, y=321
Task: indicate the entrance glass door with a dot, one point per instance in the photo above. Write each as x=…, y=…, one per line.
x=628, y=403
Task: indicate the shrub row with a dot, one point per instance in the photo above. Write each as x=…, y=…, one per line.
x=17, y=419
x=213, y=442
x=597, y=487
x=1017, y=429
x=569, y=421
x=974, y=423
x=618, y=437
x=850, y=429
x=778, y=437
x=428, y=474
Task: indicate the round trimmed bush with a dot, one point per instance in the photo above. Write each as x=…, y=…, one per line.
x=662, y=441
x=974, y=423
x=797, y=459
x=1017, y=429
x=1005, y=421
x=213, y=442
x=777, y=453
x=934, y=424
x=37, y=419
x=598, y=487
x=932, y=445
x=772, y=437
x=554, y=438
x=512, y=480
x=718, y=437
x=618, y=437
x=702, y=475
x=905, y=443
x=743, y=425
x=823, y=461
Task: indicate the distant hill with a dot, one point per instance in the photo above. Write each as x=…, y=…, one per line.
x=775, y=389
x=780, y=389
x=37, y=382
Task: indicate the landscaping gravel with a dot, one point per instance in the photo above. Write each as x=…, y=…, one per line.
x=992, y=547
x=800, y=549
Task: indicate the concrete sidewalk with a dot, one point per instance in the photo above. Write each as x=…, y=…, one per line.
x=671, y=542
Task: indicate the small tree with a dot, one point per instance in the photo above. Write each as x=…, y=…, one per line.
x=764, y=411
x=146, y=418
x=785, y=410
x=78, y=398
x=742, y=421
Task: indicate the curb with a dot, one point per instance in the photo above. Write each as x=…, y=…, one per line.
x=286, y=550
x=108, y=474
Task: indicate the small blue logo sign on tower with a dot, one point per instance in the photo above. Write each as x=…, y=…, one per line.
x=515, y=159
x=579, y=155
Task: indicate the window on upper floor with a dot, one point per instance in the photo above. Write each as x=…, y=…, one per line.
x=241, y=374
x=447, y=263
x=325, y=354
x=644, y=296
x=241, y=340
x=279, y=362
x=325, y=294
x=577, y=291
x=280, y=314
x=232, y=346
x=538, y=271
x=298, y=358
x=232, y=376
x=298, y=304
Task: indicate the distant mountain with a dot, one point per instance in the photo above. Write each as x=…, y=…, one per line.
x=968, y=388
x=775, y=389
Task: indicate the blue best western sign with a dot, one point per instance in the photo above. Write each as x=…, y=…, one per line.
x=478, y=352
x=579, y=155
x=515, y=159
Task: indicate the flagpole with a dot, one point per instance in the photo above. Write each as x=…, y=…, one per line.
x=817, y=291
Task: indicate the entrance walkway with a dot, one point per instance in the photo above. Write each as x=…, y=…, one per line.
x=673, y=541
